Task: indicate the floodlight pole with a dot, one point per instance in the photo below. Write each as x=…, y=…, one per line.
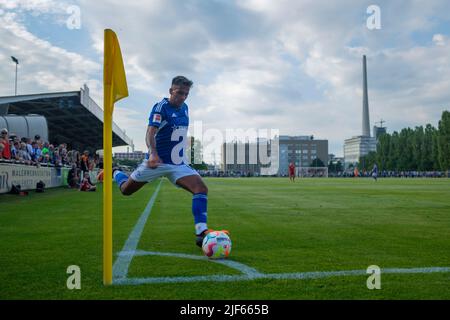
x=16, y=62
x=15, y=87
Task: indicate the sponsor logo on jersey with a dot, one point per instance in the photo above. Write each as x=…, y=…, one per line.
x=157, y=118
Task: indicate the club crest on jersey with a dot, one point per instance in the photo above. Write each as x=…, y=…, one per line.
x=157, y=118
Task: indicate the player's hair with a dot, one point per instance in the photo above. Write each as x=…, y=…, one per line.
x=182, y=81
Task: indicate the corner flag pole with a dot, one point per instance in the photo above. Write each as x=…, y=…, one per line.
x=114, y=89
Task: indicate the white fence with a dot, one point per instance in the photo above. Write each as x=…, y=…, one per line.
x=27, y=176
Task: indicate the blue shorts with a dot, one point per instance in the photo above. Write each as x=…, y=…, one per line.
x=171, y=171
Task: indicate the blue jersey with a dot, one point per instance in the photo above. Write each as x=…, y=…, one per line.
x=171, y=137
x=375, y=169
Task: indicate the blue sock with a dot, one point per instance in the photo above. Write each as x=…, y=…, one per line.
x=120, y=177
x=200, y=212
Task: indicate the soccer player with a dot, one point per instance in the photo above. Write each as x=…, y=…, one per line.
x=375, y=172
x=166, y=140
x=292, y=172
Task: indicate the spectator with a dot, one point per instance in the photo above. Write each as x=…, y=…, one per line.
x=56, y=158
x=14, y=138
x=36, y=154
x=100, y=176
x=73, y=177
x=100, y=166
x=86, y=185
x=1, y=148
x=45, y=149
x=6, y=146
x=91, y=164
x=85, y=161
x=63, y=153
x=15, y=151
x=45, y=159
x=29, y=146
x=23, y=153
x=38, y=140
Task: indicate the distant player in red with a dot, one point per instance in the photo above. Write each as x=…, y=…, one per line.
x=291, y=172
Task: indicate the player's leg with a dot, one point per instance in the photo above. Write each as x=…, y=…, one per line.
x=138, y=178
x=126, y=184
x=130, y=186
x=187, y=178
x=195, y=185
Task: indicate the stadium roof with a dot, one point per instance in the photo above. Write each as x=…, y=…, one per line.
x=72, y=117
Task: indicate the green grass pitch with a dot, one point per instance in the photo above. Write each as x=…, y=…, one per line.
x=276, y=227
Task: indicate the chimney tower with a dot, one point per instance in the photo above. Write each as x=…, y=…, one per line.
x=365, y=114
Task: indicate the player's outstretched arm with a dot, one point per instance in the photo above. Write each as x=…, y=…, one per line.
x=153, y=159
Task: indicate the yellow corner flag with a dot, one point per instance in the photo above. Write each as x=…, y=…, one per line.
x=114, y=89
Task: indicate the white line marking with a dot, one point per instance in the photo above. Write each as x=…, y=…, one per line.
x=120, y=268
x=276, y=276
x=246, y=270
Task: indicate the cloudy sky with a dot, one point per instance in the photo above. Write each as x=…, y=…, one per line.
x=292, y=65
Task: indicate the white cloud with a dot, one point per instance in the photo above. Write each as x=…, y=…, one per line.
x=42, y=66
x=440, y=39
x=292, y=65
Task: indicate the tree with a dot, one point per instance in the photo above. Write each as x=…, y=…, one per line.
x=317, y=163
x=430, y=148
x=383, y=150
x=335, y=166
x=444, y=141
x=200, y=166
x=196, y=151
x=392, y=162
x=127, y=162
x=422, y=149
x=366, y=162
x=418, y=149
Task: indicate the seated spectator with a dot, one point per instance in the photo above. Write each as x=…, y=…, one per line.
x=73, y=178
x=86, y=185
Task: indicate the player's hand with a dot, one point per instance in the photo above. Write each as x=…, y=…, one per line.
x=153, y=160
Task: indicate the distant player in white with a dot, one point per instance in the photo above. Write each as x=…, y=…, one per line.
x=166, y=140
